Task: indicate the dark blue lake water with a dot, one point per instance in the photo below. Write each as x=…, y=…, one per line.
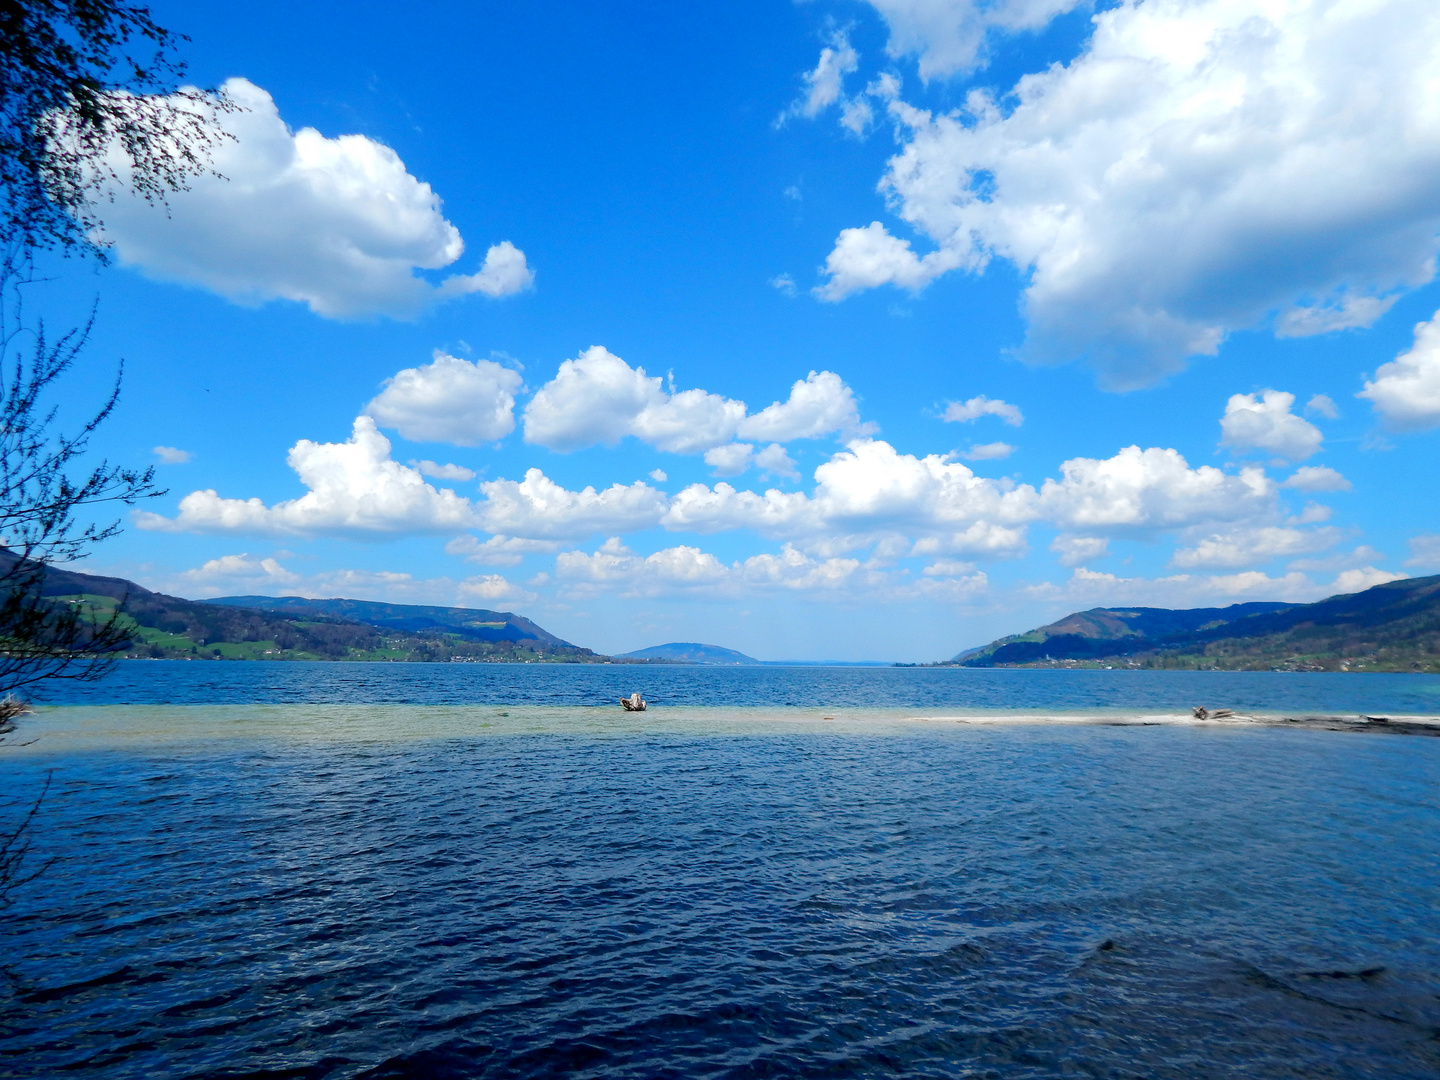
x=149, y=682
x=434, y=894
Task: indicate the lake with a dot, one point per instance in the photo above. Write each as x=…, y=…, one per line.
x=386, y=871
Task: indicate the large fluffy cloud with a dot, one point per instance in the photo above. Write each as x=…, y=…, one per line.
x=1264, y=422
x=868, y=496
x=686, y=569
x=538, y=508
x=449, y=400
x=868, y=489
x=335, y=223
x=819, y=404
x=1201, y=166
x=872, y=495
x=1140, y=491
x=599, y=399
x=355, y=488
x=1406, y=391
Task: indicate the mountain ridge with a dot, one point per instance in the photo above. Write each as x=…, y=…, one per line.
x=285, y=628
x=1394, y=626
x=479, y=624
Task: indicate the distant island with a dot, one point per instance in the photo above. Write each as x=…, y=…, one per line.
x=1391, y=627
x=690, y=652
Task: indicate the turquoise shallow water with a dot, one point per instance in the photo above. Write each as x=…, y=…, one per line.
x=352, y=888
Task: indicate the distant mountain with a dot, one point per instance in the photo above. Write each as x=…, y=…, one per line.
x=1391, y=627
x=689, y=652
x=476, y=624
x=291, y=628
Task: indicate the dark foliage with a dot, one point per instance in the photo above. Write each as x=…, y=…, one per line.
x=88, y=97
x=88, y=104
x=211, y=624
x=47, y=499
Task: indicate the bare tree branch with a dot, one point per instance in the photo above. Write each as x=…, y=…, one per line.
x=90, y=99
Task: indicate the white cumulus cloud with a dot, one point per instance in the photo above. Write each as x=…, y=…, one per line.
x=775, y=461
x=1316, y=478
x=1079, y=550
x=1406, y=391
x=503, y=273
x=438, y=471
x=170, y=455
x=242, y=572
x=868, y=257
x=1237, y=547
x=866, y=490
x=825, y=83
x=1200, y=167
x=819, y=405
x=976, y=407
x=537, y=508
x=614, y=566
x=461, y=402
x=354, y=488
x=338, y=224
x=1154, y=489
x=1362, y=578
x=732, y=459
x=489, y=589
x=1264, y=422
x=599, y=399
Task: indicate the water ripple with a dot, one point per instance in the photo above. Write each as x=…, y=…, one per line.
x=1035, y=902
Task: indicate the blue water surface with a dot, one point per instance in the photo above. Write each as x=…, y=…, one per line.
x=766, y=900
x=151, y=682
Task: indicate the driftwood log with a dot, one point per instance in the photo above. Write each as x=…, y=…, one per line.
x=633, y=703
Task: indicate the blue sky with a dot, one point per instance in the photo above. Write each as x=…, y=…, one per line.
x=953, y=318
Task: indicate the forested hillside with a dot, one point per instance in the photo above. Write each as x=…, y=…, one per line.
x=162, y=626
x=1391, y=627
